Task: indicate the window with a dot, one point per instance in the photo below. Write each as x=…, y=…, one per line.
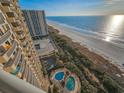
x=7, y=42
x=1, y=33
x=14, y=53
x=5, y=29
x=2, y=50
x=1, y=18
x=7, y=45
x=37, y=46
x=7, y=26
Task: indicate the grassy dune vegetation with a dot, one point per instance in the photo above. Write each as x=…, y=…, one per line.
x=92, y=79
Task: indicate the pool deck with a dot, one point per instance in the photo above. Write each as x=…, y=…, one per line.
x=64, y=89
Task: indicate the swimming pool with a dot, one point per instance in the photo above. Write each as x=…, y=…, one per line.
x=59, y=75
x=70, y=84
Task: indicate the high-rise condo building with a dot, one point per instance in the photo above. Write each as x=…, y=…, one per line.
x=36, y=23
x=17, y=53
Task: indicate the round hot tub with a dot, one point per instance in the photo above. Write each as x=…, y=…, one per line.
x=70, y=83
x=59, y=76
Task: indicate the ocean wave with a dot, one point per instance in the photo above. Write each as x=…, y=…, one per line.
x=115, y=39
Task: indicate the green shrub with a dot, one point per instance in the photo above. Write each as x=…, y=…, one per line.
x=111, y=85
x=55, y=89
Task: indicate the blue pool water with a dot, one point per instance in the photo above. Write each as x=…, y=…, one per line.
x=59, y=76
x=70, y=84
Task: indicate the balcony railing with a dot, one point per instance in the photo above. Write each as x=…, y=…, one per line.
x=5, y=55
x=1, y=18
x=18, y=28
x=8, y=64
x=14, y=61
x=5, y=9
x=21, y=36
x=10, y=51
x=12, y=84
x=5, y=37
x=17, y=57
x=16, y=23
x=10, y=14
x=22, y=64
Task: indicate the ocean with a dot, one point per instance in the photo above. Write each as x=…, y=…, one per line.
x=108, y=28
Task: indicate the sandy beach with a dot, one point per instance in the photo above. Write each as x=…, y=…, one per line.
x=109, y=51
x=100, y=61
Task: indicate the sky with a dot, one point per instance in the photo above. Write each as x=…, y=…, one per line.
x=75, y=7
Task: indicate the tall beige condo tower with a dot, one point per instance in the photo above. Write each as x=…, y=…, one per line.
x=17, y=53
x=36, y=23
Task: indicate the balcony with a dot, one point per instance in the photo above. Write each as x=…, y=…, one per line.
x=9, y=11
x=22, y=66
x=25, y=50
x=25, y=44
x=5, y=37
x=13, y=19
x=10, y=51
x=6, y=56
x=15, y=23
x=5, y=8
x=25, y=73
x=23, y=39
x=2, y=20
x=17, y=28
x=8, y=65
x=12, y=64
x=22, y=70
x=10, y=14
x=16, y=4
x=21, y=32
x=5, y=2
x=21, y=36
x=17, y=58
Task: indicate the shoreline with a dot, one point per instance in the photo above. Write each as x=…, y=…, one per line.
x=99, y=61
x=108, y=50
x=89, y=33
